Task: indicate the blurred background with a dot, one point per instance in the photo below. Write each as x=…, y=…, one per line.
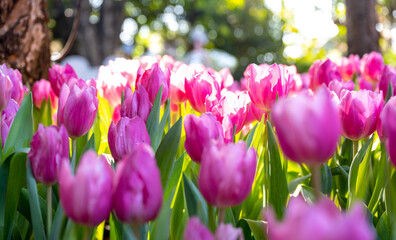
x=229, y=33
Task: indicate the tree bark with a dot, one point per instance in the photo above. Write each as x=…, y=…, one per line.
x=361, y=19
x=24, y=37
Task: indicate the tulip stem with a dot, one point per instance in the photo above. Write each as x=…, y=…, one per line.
x=136, y=231
x=316, y=180
x=74, y=153
x=49, y=210
x=221, y=215
x=355, y=148
x=86, y=233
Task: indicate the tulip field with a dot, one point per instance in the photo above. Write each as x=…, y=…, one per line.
x=158, y=149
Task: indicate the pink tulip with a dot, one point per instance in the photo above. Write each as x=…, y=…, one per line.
x=177, y=83
x=136, y=104
x=228, y=232
x=359, y=113
x=86, y=197
x=78, y=105
x=195, y=230
x=7, y=118
x=49, y=147
x=199, y=132
x=296, y=83
x=338, y=86
x=388, y=117
x=126, y=135
x=371, y=66
x=226, y=78
x=16, y=79
x=366, y=84
x=201, y=87
x=322, y=221
x=323, y=72
x=137, y=195
x=116, y=114
x=307, y=127
x=348, y=67
x=266, y=84
x=58, y=75
x=42, y=91
x=5, y=90
x=152, y=79
x=227, y=173
x=387, y=76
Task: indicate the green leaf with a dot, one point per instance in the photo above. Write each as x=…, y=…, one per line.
x=157, y=139
x=81, y=142
x=253, y=229
x=21, y=131
x=116, y=228
x=380, y=180
x=37, y=220
x=179, y=216
x=196, y=204
x=175, y=176
x=295, y=182
x=17, y=176
x=382, y=227
x=57, y=223
x=161, y=225
x=152, y=122
x=249, y=138
x=278, y=190
x=389, y=92
x=326, y=179
x=308, y=194
x=166, y=152
x=43, y=115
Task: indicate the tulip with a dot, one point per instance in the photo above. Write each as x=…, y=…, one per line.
x=78, y=105
x=371, y=66
x=320, y=221
x=227, y=173
x=387, y=76
x=366, y=84
x=348, y=66
x=152, y=79
x=228, y=232
x=137, y=195
x=199, y=132
x=116, y=114
x=359, y=113
x=7, y=118
x=5, y=91
x=127, y=134
x=338, y=86
x=266, y=84
x=58, y=75
x=16, y=78
x=388, y=117
x=195, y=230
x=49, y=147
x=42, y=91
x=226, y=78
x=307, y=127
x=136, y=104
x=86, y=197
x=201, y=87
x=177, y=89
x=323, y=71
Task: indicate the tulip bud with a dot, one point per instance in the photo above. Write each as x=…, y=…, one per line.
x=195, y=230
x=136, y=104
x=86, y=197
x=7, y=118
x=266, y=84
x=78, y=105
x=42, y=91
x=359, y=112
x=5, y=91
x=126, y=135
x=308, y=128
x=49, y=147
x=152, y=79
x=371, y=66
x=323, y=72
x=16, y=79
x=227, y=173
x=201, y=87
x=199, y=132
x=319, y=221
x=58, y=75
x=137, y=195
x=388, y=117
x=348, y=66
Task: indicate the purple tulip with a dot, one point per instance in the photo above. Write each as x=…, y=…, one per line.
x=5, y=91
x=78, y=105
x=359, y=112
x=228, y=232
x=371, y=66
x=320, y=221
x=126, y=135
x=86, y=197
x=227, y=173
x=136, y=104
x=152, y=79
x=49, y=147
x=137, y=195
x=199, y=132
x=16, y=79
x=308, y=128
x=387, y=76
x=58, y=75
x=7, y=118
x=323, y=72
x=388, y=117
x=195, y=230
x=267, y=83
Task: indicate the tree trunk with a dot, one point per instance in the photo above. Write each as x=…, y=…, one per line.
x=24, y=37
x=361, y=20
